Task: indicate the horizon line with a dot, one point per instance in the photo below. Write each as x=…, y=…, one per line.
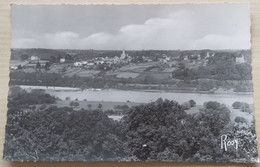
x=133, y=49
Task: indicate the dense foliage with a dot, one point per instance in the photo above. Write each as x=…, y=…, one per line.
x=63, y=134
x=244, y=107
x=20, y=98
x=160, y=130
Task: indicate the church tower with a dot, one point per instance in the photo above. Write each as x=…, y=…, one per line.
x=123, y=55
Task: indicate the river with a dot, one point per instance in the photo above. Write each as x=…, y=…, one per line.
x=146, y=97
x=143, y=96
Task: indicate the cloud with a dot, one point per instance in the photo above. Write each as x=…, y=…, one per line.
x=181, y=29
x=154, y=33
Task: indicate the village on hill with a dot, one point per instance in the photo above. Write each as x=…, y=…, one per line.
x=146, y=70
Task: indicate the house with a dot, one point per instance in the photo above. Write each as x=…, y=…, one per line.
x=116, y=59
x=100, y=62
x=240, y=59
x=84, y=62
x=208, y=55
x=129, y=58
x=71, y=53
x=78, y=64
x=62, y=60
x=13, y=67
x=199, y=57
x=34, y=58
x=185, y=58
x=90, y=64
x=43, y=62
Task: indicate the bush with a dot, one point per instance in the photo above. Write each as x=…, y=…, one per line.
x=99, y=106
x=75, y=104
x=237, y=105
x=240, y=120
x=192, y=103
x=212, y=105
x=67, y=98
x=186, y=105
x=244, y=107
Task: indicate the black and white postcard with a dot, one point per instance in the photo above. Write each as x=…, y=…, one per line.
x=131, y=83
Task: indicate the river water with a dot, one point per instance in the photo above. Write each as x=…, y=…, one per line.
x=143, y=96
x=146, y=97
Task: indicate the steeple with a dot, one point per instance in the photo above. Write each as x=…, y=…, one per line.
x=123, y=55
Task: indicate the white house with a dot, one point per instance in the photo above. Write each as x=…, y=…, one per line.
x=62, y=60
x=77, y=64
x=71, y=53
x=199, y=58
x=35, y=58
x=185, y=58
x=13, y=67
x=208, y=55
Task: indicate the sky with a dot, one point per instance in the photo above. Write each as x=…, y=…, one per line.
x=132, y=27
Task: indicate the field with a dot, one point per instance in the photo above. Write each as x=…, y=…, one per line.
x=111, y=106
x=234, y=113
x=18, y=62
x=105, y=105
x=127, y=75
x=137, y=67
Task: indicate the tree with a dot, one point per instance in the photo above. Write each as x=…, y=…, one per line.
x=62, y=133
x=153, y=127
x=246, y=135
x=21, y=98
x=19, y=67
x=24, y=57
x=47, y=66
x=240, y=120
x=74, y=104
x=214, y=115
x=15, y=91
x=245, y=108
x=64, y=69
x=212, y=105
x=237, y=105
x=38, y=65
x=186, y=105
x=192, y=103
x=52, y=59
x=89, y=106
x=100, y=106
